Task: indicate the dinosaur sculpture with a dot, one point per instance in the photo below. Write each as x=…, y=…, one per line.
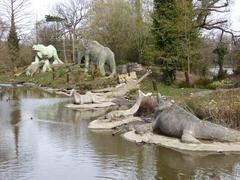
x=45, y=55
x=118, y=118
x=99, y=55
x=124, y=113
x=172, y=120
x=87, y=98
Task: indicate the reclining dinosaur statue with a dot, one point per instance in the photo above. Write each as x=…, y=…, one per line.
x=102, y=96
x=130, y=112
x=172, y=120
x=87, y=98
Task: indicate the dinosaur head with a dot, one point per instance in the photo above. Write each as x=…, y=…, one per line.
x=162, y=103
x=141, y=94
x=37, y=47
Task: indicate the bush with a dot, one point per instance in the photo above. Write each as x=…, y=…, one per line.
x=61, y=72
x=25, y=57
x=221, y=108
x=226, y=83
x=94, y=72
x=202, y=83
x=237, y=71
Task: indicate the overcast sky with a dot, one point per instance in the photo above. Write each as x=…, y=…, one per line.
x=42, y=7
x=235, y=15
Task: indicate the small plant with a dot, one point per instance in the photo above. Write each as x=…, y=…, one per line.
x=226, y=83
x=94, y=73
x=60, y=72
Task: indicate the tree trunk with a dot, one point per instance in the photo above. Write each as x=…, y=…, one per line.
x=187, y=78
x=73, y=45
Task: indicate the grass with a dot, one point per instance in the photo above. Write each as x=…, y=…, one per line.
x=62, y=78
x=172, y=91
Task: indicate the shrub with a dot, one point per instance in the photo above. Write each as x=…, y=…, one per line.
x=222, y=108
x=226, y=83
x=202, y=83
x=61, y=72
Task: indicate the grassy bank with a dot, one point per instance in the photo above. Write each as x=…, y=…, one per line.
x=62, y=77
x=172, y=91
x=221, y=107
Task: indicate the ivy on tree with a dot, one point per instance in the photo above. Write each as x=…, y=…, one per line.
x=221, y=50
x=13, y=43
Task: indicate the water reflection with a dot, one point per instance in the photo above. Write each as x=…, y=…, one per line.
x=40, y=139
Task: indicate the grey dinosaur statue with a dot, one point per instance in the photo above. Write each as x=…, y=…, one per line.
x=99, y=55
x=172, y=120
x=129, y=112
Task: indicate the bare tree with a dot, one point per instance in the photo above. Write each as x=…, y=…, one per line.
x=16, y=9
x=207, y=10
x=3, y=30
x=73, y=13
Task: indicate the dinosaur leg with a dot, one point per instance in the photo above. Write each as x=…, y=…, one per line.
x=187, y=137
x=46, y=66
x=57, y=60
x=112, y=65
x=102, y=70
x=86, y=64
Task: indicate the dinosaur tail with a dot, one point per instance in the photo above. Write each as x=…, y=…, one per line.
x=212, y=131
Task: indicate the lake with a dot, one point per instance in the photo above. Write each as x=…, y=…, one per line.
x=40, y=139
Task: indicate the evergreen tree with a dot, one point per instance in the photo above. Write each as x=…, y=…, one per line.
x=13, y=43
x=175, y=35
x=165, y=17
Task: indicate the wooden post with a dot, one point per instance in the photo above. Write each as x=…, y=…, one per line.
x=68, y=74
x=68, y=77
x=53, y=74
x=154, y=83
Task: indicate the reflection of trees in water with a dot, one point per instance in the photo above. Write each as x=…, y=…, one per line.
x=14, y=148
x=15, y=119
x=57, y=112
x=16, y=93
x=10, y=117
x=118, y=155
x=111, y=154
x=174, y=165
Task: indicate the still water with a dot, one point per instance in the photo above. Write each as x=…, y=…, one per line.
x=42, y=140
